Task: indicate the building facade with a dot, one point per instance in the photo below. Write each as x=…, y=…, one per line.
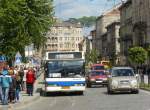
x=93, y=35
x=113, y=44
x=64, y=36
x=141, y=22
x=126, y=30
x=101, y=23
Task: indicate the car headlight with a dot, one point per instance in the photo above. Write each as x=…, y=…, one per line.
x=92, y=79
x=134, y=83
x=104, y=79
x=115, y=83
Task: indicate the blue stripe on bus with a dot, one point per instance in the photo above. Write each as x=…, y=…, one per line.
x=65, y=83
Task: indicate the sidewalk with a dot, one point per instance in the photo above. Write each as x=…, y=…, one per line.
x=25, y=99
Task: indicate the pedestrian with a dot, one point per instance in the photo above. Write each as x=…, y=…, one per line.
x=21, y=73
x=5, y=81
x=18, y=87
x=24, y=78
x=0, y=89
x=12, y=88
x=148, y=73
x=30, y=79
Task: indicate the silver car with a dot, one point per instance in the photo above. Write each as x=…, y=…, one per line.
x=122, y=79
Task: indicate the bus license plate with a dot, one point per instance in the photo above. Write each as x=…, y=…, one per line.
x=66, y=87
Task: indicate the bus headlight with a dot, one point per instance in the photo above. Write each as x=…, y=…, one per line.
x=79, y=85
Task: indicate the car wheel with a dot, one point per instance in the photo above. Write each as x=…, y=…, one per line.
x=135, y=92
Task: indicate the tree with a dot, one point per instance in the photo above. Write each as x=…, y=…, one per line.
x=23, y=22
x=92, y=56
x=137, y=55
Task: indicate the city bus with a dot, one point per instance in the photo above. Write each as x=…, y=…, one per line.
x=65, y=72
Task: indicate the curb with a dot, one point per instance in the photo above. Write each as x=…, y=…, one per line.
x=145, y=89
x=25, y=103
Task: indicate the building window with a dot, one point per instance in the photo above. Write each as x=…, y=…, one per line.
x=60, y=38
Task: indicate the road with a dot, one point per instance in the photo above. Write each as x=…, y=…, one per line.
x=93, y=99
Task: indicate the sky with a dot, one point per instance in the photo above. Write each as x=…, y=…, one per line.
x=77, y=8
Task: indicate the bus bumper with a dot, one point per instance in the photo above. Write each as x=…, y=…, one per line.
x=65, y=89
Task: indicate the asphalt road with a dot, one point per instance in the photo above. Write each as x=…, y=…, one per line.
x=93, y=99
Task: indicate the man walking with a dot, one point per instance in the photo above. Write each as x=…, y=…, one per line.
x=5, y=81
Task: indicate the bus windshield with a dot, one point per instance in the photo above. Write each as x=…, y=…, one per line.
x=65, y=68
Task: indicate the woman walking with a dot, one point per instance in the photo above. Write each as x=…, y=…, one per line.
x=18, y=87
x=30, y=79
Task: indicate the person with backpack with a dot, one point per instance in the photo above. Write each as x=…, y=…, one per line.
x=30, y=79
x=5, y=81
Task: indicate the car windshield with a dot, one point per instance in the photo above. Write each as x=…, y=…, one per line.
x=98, y=67
x=122, y=72
x=96, y=73
x=65, y=68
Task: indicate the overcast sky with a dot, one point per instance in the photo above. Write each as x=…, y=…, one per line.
x=77, y=8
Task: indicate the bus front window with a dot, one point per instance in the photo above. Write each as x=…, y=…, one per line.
x=65, y=68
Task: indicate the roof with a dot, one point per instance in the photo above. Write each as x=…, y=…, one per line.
x=112, y=11
x=122, y=67
x=126, y=4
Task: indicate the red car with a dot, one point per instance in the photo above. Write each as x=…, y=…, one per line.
x=96, y=77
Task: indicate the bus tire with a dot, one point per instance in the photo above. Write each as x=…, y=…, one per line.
x=81, y=92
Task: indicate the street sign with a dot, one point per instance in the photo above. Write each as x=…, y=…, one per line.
x=18, y=58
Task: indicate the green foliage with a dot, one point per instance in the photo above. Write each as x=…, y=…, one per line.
x=92, y=56
x=137, y=55
x=23, y=22
x=85, y=21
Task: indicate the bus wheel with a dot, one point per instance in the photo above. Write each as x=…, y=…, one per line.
x=81, y=93
x=88, y=85
x=43, y=93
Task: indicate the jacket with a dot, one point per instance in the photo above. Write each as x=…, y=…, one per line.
x=5, y=81
x=30, y=77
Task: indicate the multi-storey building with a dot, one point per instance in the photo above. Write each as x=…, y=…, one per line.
x=101, y=24
x=126, y=30
x=64, y=36
x=93, y=34
x=141, y=22
x=113, y=44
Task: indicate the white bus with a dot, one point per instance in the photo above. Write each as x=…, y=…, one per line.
x=64, y=72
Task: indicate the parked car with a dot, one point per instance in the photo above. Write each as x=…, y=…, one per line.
x=96, y=77
x=122, y=79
